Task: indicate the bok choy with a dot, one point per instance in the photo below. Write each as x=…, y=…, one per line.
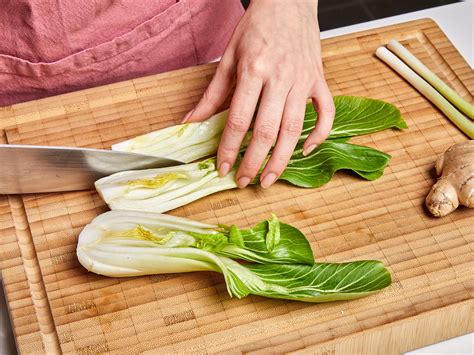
x=163, y=189
x=131, y=243
x=318, y=168
x=191, y=141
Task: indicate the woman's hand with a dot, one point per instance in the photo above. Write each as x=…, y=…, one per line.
x=275, y=56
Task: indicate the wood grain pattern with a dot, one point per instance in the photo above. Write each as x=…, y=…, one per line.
x=57, y=305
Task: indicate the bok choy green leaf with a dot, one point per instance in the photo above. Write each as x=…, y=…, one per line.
x=161, y=190
x=356, y=116
x=318, y=168
x=130, y=243
x=321, y=282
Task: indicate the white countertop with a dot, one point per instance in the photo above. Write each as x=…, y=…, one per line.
x=457, y=21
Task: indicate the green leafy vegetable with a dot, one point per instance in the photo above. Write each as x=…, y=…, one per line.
x=354, y=116
x=318, y=168
x=133, y=228
x=322, y=282
x=263, y=245
x=161, y=190
x=196, y=180
x=131, y=243
x=235, y=237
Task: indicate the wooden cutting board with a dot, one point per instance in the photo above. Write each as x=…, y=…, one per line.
x=57, y=306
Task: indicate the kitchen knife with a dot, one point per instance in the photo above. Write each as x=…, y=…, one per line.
x=30, y=169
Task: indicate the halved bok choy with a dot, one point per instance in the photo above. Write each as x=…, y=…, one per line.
x=131, y=243
x=164, y=189
x=191, y=141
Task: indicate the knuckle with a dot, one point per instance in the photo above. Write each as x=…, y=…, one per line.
x=227, y=152
x=280, y=161
x=228, y=155
x=265, y=133
x=249, y=166
x=256, y=67
x=282, y=70
x=319, y=136
x=280, y=76
x=224, y=67
x=327, y=110
x=324, y=135
x=292, y=128
x=329, y=116
x=237, y=124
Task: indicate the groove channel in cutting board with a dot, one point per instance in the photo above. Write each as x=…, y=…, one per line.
x=430, y=259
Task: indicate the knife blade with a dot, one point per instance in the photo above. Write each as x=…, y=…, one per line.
x=32, y=169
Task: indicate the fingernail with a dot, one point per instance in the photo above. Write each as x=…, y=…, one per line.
x=243, y=182
x=224, y=169
x=189, y=114
x=308, y=150
x=268, y=180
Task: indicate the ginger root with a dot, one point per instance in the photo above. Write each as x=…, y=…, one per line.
x=456, y=182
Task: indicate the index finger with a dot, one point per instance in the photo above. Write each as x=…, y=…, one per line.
x=241, y=113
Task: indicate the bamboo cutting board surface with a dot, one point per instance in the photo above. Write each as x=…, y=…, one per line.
x=57, y=306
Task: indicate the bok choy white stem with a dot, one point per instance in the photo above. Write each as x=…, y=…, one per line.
x=185, y=142
x=463, y=123
x=415, y=64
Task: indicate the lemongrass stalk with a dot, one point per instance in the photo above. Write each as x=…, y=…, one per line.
x=415, y=64
x=427, y=90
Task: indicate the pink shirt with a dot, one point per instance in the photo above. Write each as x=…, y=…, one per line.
x=49, y=47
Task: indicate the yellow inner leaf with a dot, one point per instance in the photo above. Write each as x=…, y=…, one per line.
x=157, y=181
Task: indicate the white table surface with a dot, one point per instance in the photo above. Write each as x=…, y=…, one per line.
x=457, y=21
